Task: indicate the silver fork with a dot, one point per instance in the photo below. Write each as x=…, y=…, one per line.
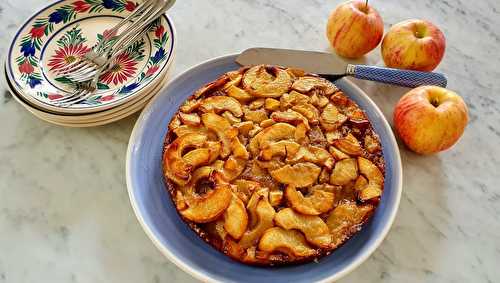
x=103, y=62
x=86, y=89
x=91, y=77
x=101, y=48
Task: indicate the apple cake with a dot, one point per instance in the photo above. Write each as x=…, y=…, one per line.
x=273, y=165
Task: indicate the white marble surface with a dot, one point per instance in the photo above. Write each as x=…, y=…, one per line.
x=64, y=210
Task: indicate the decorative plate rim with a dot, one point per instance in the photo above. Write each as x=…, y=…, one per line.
x=102, y=116
x=87, y=109
x=138, y=127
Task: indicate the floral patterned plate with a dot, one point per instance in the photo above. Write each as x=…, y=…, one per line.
x=82, y=121
x=60, y=33
x=90, y=119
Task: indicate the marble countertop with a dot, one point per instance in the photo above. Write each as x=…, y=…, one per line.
x=64, y=209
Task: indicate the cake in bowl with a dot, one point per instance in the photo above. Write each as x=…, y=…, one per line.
x=272, y=165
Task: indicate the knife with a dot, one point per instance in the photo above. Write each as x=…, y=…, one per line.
x=332, y=68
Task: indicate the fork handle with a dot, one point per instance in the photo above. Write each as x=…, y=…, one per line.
x=138, y=15
x=162, y=6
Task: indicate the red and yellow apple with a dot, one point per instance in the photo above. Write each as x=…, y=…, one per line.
x=414, y=45
x=430, y=119
x=354, y=28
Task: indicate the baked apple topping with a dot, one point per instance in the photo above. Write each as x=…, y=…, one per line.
x=272, y=165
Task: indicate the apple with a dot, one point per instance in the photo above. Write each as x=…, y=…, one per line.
x=354, y=28
x=430, y=119
x=414, y=45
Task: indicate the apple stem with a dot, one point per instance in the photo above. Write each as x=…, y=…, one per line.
x=366, y=5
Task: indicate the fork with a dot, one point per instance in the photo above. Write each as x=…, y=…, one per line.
x=99, y=64
x=103, y=46
x=88, y=79
x=86, y=89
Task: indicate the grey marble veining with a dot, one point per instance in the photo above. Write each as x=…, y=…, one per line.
x=64, y=209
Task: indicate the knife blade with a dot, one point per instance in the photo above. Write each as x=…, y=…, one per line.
x=332, y=67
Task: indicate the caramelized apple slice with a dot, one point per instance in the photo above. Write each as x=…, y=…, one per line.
x=349, y=145
x=301, y=133
x=345, y=171
x=174, y=123
x=203, y=156
x=261, y=213
x=186, y=129
x=337, y=154
x=239, y=150
x=257, y=103
x=331, y=118
x=254, y=131
x=245, y=188
x=236, y=218
x=290, y=99
x=230, y=117
x=371, y=144
x=313, y=227
x=375, y=179
x=222, y=128
x=324, y=176
x=306, y=84
x=244, y=127
x=345, y=220
x=308, y=111
x=290, y=242
x=275, y=197
x=212, y=86
x=221, y=103
x=189, y=190
x=332, y=136
x=274, y=133
x=239, y=94
x=291, y=117
x=255, y=116
x=190, y=105
x=316, y=203
x=175, y=167
x=361, y=183
x=296, y=72
x=266, y=81
x=258, y=194
x=273, y=164
x=267, y=123
x=319, y=101
x=298, y=175
x=279, y=149
x=235, y=79
x=209, y=206
x=271, y=104
x=233, y=167
x=313, y=154
x=190, y=119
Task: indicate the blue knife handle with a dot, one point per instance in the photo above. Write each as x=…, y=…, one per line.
x=405, y=78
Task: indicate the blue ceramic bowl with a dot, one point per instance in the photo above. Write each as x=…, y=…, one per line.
x=157, y=215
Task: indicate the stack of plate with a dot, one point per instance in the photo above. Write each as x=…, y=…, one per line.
x=65, y=30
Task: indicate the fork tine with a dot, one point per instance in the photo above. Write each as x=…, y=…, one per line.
x=82, y=68
x=71, y=67
x=83, y=74
x=82, y=97
x=74, y=95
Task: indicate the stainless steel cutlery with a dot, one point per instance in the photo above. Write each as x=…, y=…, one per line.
x=85, y=72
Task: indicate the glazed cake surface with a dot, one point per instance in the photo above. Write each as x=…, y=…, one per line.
x=272, y=165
